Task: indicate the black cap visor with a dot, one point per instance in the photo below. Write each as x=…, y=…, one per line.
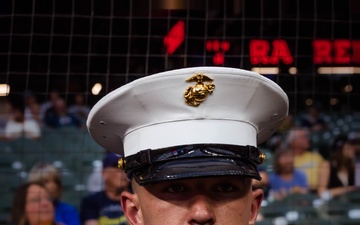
x=184, y=162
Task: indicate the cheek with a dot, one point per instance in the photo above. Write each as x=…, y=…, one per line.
x=39, y=212
x=171, y=212
x=32, y=213
x=32, y=209
x=238, y=211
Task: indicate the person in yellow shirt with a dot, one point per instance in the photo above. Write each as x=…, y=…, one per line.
x=305, y=160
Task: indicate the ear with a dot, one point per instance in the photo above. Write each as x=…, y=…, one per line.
x=131, y=208
x=257, y=196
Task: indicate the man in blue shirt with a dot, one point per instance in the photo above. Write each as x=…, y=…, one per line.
x=286, y=179
x=103, y=208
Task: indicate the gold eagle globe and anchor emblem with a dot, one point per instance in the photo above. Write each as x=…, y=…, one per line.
x=195, y=95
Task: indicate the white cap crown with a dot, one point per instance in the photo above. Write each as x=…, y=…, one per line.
x=196, y=105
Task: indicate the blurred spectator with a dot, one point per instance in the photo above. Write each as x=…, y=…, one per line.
x=58, y=116
x=287, y=124
x=5, y=115
x=51, y=178
x=79, y=108
x=277, y=138
x=355, y=141
x=32, y=107
x=286, y=179
x=95, y=181
x=103, y=208
x=32, y=206
x=313, y=120
x=45, y=106
x=298, y=140
x=337, y=175
x=18, y=126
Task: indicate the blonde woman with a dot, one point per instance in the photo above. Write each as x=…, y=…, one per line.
x=32, y=205
x=51, y=178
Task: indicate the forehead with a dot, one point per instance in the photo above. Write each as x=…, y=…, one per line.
x=112, y=169
x=286, y=154
x=302, y=132
x=35, y=190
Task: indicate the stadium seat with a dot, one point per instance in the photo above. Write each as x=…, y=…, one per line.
x=5, y=147
x=293, y=207
x=10, y=182
x=355, y=123
x=265, y=222
x=349, y=222
x=340, y=210
x=6, y=161
x=352, y=197
x=22, y=144
x=273, y=210
x=315, y=221
x=5, y=207
x=300, y=199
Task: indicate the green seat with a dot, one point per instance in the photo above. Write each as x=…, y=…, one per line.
x=299, y=199
x=5, y=147
x=346, y=221
x=293, y=207
x=25, y=145
x=265, y=222
x=5, y=207
x=9, y=183
x=273, y=210
x=316, y=221
x=355, y=123
x=338, y=209
x=6, y=161
x=350, y=197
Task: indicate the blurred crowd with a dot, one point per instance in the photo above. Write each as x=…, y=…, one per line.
x=25, y=116
x=294, y=166
x=298, y=169
x=38, y=201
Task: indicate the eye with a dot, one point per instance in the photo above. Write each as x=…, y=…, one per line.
x=177, y=188
x=225, y=187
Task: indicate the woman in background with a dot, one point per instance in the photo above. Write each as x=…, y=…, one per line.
x=337, y=175
x=286, y=179
x=32, y=205
x=50, y=177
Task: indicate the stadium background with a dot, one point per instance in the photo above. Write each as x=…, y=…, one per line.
x=72, y=45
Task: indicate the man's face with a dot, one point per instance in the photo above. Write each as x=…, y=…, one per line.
x=301, y=140
x=115, y=178
x=286, y=162
x=217, y=200
x=38, y=208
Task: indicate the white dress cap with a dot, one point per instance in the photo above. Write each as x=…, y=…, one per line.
x=198, y=105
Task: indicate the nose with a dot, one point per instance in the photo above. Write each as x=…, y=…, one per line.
x=201, y=211
x=45, y=202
